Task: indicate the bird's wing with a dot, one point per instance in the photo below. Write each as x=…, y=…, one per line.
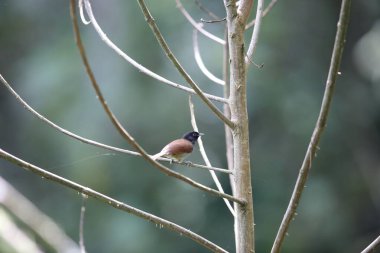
x=180, y=146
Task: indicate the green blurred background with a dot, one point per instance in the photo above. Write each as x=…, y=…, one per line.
x=340, y=208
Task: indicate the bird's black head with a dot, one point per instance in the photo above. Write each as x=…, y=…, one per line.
x=192, y=137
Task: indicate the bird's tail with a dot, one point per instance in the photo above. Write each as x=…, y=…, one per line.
x=158, y=155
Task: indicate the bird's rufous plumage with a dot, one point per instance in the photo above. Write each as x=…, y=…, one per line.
x=179, y=149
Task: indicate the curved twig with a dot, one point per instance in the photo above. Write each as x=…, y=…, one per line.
x=205, y=157
x=181, y=70
x=319, y=126
x=255, y=33
x=265, y=12
x=199, y=61
x=198, y=26
x=135, y=64
x=110, y=201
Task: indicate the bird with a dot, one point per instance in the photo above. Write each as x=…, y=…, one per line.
x=179, y=149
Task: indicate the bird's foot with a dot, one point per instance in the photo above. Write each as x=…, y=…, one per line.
x=188, y=163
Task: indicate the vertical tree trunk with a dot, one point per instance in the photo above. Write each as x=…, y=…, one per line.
x=244, y=223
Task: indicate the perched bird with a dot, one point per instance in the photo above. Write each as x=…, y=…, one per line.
x=179, y=149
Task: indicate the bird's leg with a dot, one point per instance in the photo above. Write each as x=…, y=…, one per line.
x=188, y=163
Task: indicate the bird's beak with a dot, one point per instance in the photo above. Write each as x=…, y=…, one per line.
x=201, y=134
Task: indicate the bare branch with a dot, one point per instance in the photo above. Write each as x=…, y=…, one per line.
x=161, y=167
x=170, y=55
x=42, y=225
x=110, y=201
x=265, y=12
x=213, y=21
x=255, y=33
x=15, y=238
x=227, y=112
x=319, y=126
x=140, y=67
x=199, y=61
x=244, y=9
x=198, y=26
x=373, y=246
x=94, y=143
x=81, y=14
x=81, y=224
x=205, y=158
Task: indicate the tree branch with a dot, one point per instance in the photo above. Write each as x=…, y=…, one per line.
x=227, y=112
x=372, y=247
x=110, y=201
x=94, y=143
x=319, y=127
x=42, y=226
x=170, y=55
x=265, y=12
x=255, y=33
x=162, y=168
x=81, y=224
x=244, y=9
x=15, y=238
x=198, y=26
x=199, y=61
x=205, y=158
x=140, y=67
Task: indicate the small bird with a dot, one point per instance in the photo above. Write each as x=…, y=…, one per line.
x=179, y=149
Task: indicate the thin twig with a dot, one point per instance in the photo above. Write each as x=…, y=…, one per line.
x=255, y=33
x=198, y=26
x=372, y=247
x=227, y=111
x=124, y=133
x=140, y=67
x=213, y=21
x=110, y=201
x=152, y=24
x=199, y=61
x=81, y=13
x=265, y=12
x=319, y=126
x=91, y=142
x=201, y=7
x=205, y=157
x=81, y=223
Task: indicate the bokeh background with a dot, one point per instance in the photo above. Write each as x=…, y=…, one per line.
x=340, y=208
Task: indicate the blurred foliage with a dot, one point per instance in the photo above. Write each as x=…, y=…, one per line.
x=340, y=208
